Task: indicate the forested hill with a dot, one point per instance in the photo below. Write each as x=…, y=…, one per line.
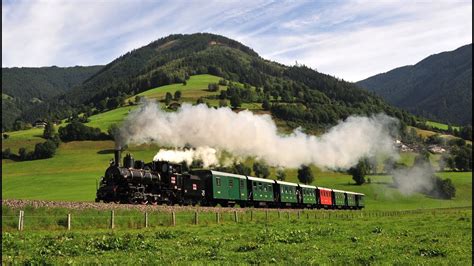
x=296, y=94
x=438, y=87
x=26, y=87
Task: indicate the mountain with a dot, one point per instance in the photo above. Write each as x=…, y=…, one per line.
x=439, y=87
x=298, y=94
x=24, y=87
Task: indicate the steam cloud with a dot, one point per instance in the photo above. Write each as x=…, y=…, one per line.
x=246, y=134
x=206, y=154
x=415, y=179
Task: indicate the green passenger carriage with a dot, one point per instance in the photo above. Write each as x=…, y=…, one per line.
x=339, y=198
x=286, y=192
x=309, y=194
x=261, y=189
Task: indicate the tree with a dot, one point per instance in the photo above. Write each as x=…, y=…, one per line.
x=48, y=131
x=45, y=150
x=266, y=105
x=184, y=82
x=6, y=154
x=137, y=98
x=113, y=131
x=200, y=100
x=359, y=171
x=168, y=98
x=213, y=87
x=5, y=136
x=281, y=175
x=305, y=175
x=241, y=169
x=422, y=158
x=113, y=103
x=261, y=169
x=235, y=101
x=177, y=95
x=222, y=103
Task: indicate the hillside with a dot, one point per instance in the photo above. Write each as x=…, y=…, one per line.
x=439, y=87
x=24, y=87
x=298, y=94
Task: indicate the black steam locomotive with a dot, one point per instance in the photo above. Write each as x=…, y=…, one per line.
x=161, y=182
x=157, y=182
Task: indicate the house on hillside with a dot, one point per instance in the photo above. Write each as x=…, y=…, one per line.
x=40, y=123
x=436, y=149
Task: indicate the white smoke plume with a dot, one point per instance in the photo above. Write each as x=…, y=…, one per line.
x=246, y=134
x=415, y=179
x=206, y=154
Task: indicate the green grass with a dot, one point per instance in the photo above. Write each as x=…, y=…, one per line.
x=196, y=87
x=440, y=125
x=421, y=238
x=106, y=119
x=23, y=138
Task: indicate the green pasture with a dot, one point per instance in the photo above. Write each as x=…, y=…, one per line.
x=441, y=237
x=440, y=125
x=195, y=88
x=23, y=138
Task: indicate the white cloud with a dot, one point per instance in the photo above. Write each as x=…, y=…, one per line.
x=351, y=40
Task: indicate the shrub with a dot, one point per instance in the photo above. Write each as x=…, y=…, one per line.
x=79, y=131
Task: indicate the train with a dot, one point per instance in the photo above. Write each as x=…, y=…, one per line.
x=163, y=182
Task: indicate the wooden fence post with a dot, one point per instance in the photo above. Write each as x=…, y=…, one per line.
x=196, y=218
x=112, y=218
x=146, y=219
x=266, y=215
x=236, y=217
x=173, y=218
x=217, y=218
x=20, y=221
x=251, y=215
x=279, y=214
x=68, y=221
x=288, y=215
x=307, y=215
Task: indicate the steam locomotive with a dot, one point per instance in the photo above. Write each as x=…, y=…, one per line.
x=162, y=182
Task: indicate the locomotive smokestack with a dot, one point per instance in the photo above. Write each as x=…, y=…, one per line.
x=117, y=157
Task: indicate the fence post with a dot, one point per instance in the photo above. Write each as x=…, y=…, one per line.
x=146, y=219
x=196, y=218
x=266, y=215
x=251, y=215
x=288, y=215
x=68, y=221
x=217, y=218
x=279, y=214
x=20, y=221
x=307, y=215
x=236, y=217
x=112, y=218
x=299, y=215
x=173, y=218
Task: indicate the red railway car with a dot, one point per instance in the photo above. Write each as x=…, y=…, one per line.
x=325, y=196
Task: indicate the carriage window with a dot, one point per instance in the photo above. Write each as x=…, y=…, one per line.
x=218, y=181
x=231, y=182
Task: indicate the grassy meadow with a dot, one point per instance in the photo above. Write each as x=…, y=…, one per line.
x=420, y=238
x=440, y=125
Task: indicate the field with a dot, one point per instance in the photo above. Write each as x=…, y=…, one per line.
x=440, y=125
x=420, y=237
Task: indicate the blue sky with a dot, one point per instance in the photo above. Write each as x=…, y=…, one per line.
x=347, y=39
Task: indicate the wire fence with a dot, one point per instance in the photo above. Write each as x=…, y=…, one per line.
x=117, y=220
